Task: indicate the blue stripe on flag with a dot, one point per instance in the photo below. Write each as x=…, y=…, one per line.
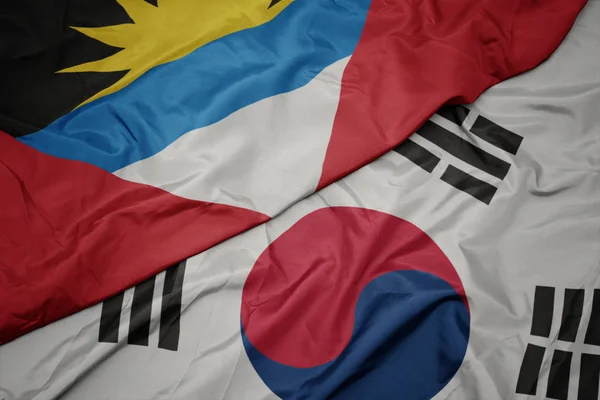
x=206, y=85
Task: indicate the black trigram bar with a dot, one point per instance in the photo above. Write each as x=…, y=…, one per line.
x=479, y=189
x=558, y=379
x=464, y=150
x=110, y=319
x=171, y=307
x=571, y=315
x=496, y=135
x=454, y=113
x=589, y=377
x=530, y=369
x=141, y=312
x=543, y=309
x=592, y=336
x=418, y=155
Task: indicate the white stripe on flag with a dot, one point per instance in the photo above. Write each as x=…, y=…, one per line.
x=244, y=160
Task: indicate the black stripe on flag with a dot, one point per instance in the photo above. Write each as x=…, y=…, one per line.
x=558, y=379
x=418, y=155
x=530, y=369
x=592, y=336
x=171, y=307
x=479, y=189
x=589, y=377
x=110, y=319
x=571, y=315
x=543, y=309
x=456, y=113
x=464, y=150
x=496, y=135
x=141, y=312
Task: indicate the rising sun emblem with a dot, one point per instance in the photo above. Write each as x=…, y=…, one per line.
x=169, y=31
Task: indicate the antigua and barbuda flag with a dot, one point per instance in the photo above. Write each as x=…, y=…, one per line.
x=139, y=133
x=461, y=265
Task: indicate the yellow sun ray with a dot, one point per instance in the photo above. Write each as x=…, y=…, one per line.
x=122, y=36
x=109, y=64
x=170, y=31
x=137, y=9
